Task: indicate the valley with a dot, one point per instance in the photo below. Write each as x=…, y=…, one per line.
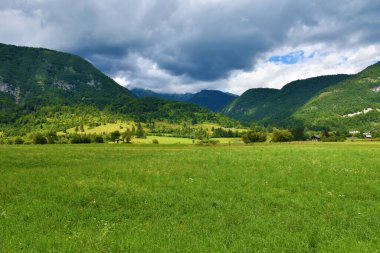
x=190, y=126
x=299, y=197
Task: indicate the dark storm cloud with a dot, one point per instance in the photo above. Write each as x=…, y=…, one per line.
x=193, y=40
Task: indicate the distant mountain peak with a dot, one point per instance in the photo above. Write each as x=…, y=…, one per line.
x=214, y=100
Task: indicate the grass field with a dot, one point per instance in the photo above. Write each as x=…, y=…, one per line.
x=122, y=126
x=177, y=140
x=312, y=197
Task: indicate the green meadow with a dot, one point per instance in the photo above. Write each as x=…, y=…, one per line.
x=289, y=197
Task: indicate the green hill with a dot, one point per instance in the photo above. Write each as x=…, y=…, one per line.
x=31, y=78
x=276, y=107
x=35, y=76
x=215, y=100
x=42, y=89
x=338, y=102
x=343, y=105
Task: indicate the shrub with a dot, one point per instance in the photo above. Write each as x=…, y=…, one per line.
x=115, y=135
x=19, y=140
x=98, y=139
x=281, y=135
x=253, y=136
x=39, y=138
x=207, y=142
x=77, y=139
x=62, y=141
x=52, y=137
x=333, y=138
x=155, y=141
x=127, y=136
x=298, y=133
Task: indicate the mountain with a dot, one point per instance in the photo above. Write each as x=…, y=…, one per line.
x=353, y=103
x=42, y=89
x=276, y=107
x=169, y=96
x=338, y=102
x=212, y=99
x=36, y=76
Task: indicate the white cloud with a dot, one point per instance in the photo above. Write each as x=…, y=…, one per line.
x=185, y=46
x=122, y=80
x=319, y=60
x=325, y=61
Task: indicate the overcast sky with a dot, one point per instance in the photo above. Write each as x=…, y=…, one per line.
x=185, y=46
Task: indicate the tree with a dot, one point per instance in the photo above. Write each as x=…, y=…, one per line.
x=38, y=138
x=115, y=135
x=298, y=133
x=140, y=133
x=254, y=136
x=52, y=137
x=127, y=136
x=19, y=140
x=281, y=135
x=98, y=139
x=133, y=130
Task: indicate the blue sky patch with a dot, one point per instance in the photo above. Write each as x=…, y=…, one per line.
x=291, y=58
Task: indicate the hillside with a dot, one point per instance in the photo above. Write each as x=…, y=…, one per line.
x=276, y=107
x=353, y=103
x=214, y=100
x=41, y=76
x=31, y=78
x=169, y=96
x=42, y=89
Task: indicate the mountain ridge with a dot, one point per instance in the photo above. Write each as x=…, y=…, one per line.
x=269, y=106
x=214, y=100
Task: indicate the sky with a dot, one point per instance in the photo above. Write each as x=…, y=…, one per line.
x=178, y=46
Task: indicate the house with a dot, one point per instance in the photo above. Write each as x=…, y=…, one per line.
x=354, y=132
x=367, y=135
x=315, y=138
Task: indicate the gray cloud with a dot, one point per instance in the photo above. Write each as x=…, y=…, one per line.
x=190, y=42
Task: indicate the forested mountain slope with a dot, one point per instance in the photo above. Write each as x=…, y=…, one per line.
x=275, y=107
x=50, y=90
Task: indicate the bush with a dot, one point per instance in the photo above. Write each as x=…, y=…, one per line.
x=127, y=136
x=299, y=133
x=253, y=136
x=19, y=140
x=52, y=137
x=207, y=142
x=39, y=138
x=77, y=139
x=155, y=141
x=62, y=141
x=98, y=139
x=281, y=135
x=115, y=135
x=333, y=138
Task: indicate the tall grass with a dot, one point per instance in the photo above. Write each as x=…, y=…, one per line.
x=175, y=198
